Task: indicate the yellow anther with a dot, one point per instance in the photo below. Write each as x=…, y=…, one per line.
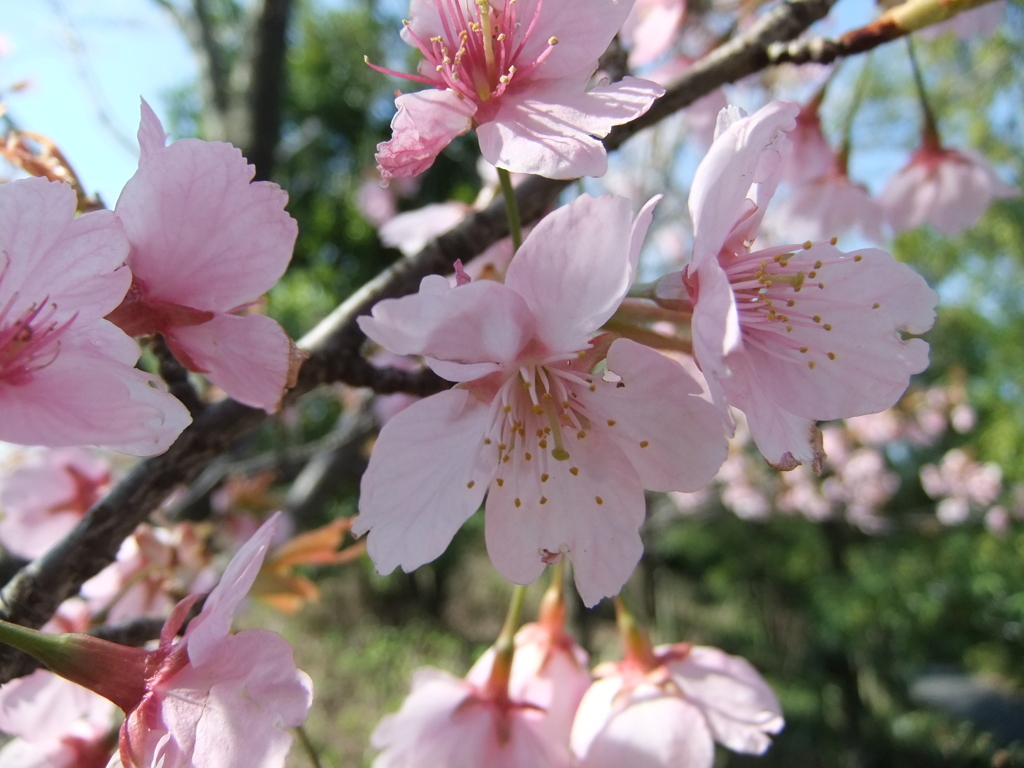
x=544, y=477
x=808, y=245
x=543, y=499
x=500, y=482
x=599, y=500
x=518, y=503
x=876, y=305
x=827, y=326
x=644, y=443
x=543, y=444
x=611, y=422
x=803, y=349
x=858, y=257
x=811, y=365
x=538, y=409
x=791, y=303
x=574, y=470
x=552, y=40
x=812, y=274
x=507, y=409
x=581, y=434
x=487, y=441
x=816, y=318
x=834, y=240
x=471, y=483
x=831, y=355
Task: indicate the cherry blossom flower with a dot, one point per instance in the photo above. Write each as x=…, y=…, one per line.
x=947, y=188
x=66, y=374
x=549, y=669
x=44, y=497
x=563, y=453
x=517, y=72
x=206, y=242
x=810, y=156
x=216, y=699
x=827, y=207
x=651, y=28
x=790, y=334
x=450, y=722
x=665, y=707
x=670, y=715
x=208, y=700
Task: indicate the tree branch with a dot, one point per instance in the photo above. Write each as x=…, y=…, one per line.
x=334, y=345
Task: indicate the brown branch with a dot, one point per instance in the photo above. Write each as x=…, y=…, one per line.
x=334, y=346
x=896, y=23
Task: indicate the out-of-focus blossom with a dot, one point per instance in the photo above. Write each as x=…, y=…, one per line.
x=790, y=334
x=154, y=569
x=828, y=207
x=811, y=156
x=43, y=497
x=651, y=28
x=947, y=188
x=66, y=374
x=410, y=231
x=562, y=454
x=207, y=242
x=517, y=72
x=665, y=707
x=961, y=485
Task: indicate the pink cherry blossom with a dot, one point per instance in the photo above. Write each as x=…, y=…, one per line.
x=827, y=207
x=651, y=28
x=947, y=188
x=670, y=714
x=790, y=334
x=44, y=497
x=206, y=242
x=450, y=722
x=517, y=72
x=562, y=453
x=213, y=699
x=549, y=670
x=810, y=156
x=66, y=374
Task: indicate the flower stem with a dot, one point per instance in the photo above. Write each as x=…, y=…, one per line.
x=858, y=98
x=515, y=229
x=931, y=127
x=504, y=646
x=307, y=745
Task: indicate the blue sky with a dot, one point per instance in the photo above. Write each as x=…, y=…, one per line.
x=87, y=63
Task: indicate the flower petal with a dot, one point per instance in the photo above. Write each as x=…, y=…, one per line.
x=428, y=473
x=746, y=152
x=736, y=700
x=151, y=132
x=85, y=397
x=672, y=437
x=574, y=269
x=849, y=320
x=48, y=255
x=248, y=356
x=652, y=731
x=209, y=629
x=592, y=517
x=478, y=326
x=426, y=123
x=548, y=129
x=203, y=236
